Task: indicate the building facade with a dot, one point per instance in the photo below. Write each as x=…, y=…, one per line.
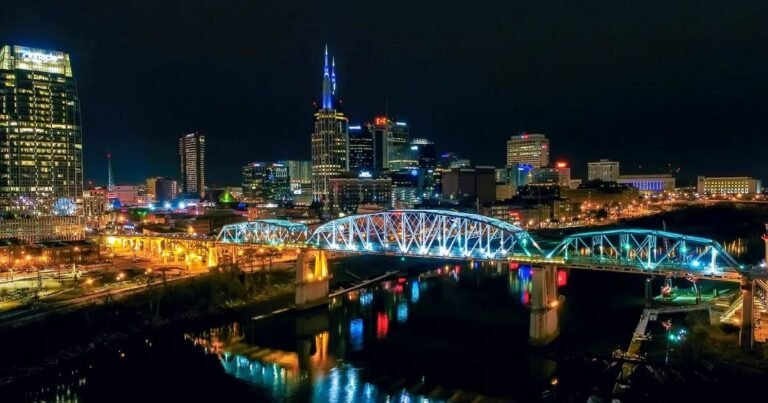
x=300, y=180
x=478, y=183
x=330, y=139
x=347, y=194
x=266, y=182
x=192, y=157
x=360, y=149
x=391, y=148
x=649, y=183
x=40, y=132
x=531, y=149
x=728, y=185
x=603, y=170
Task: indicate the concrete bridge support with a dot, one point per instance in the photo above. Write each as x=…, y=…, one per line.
x=747, y=333
x=311, y=279
x=544, y=326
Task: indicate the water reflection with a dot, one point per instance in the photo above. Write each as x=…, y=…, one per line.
x=319, y=366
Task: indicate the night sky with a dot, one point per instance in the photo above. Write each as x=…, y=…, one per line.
x=648, y=83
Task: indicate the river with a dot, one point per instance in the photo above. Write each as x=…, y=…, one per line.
x=437, y=330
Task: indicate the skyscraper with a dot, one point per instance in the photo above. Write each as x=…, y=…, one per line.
x=360, y=149
x=532, y=149
x=390, y=144
x=192, y=157
x=330, y=141
x=41, y=140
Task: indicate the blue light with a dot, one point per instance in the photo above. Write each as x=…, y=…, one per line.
x=414, y=172
x=366, y=298
x=415, y=292
x=182, y=206
x=402, y=312
x=167, y=205
x=355, y=127
x=356, y=334
x=695, y=263
x=401, y=123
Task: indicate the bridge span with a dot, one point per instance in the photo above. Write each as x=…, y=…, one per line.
x=444, y=234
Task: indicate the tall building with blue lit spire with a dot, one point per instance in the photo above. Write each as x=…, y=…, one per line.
x=330, y=140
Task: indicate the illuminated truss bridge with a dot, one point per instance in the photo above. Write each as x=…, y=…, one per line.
x=265, y=232
x=453, y=235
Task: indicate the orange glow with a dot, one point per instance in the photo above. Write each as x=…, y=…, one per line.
x=562, y=164
x=381, y=120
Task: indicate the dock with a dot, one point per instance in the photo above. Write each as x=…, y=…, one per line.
x=632, y=357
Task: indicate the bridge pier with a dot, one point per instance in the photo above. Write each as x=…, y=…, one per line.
x=544, y=326
x=747, y=333
x=649, y=292
x=311, y=279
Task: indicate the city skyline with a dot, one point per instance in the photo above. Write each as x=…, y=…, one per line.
x=685, y=93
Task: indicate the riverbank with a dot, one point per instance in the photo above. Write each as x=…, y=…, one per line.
x=63, y=337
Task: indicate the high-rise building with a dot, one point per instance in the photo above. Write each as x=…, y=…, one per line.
x=531, y=149
x=192, y=156
x=478, y=183
x=266, y=181
x=391, y=149
x=563, y=173
x=41, y=171
x=424, y=153
x=604, y=170
x=347, y=193
x=300, y=180
x=330, y=141
x=360, y=149
x=162, y=189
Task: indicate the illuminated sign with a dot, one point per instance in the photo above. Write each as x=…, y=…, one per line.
x=380, y=120
x=401, y=123
x=37, y=56
x=414, y=148
x=354, y=127
x=364, y=174
x=562, y=165
x=414, y=172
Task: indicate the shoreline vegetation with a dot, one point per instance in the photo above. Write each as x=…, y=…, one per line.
x=68, y=336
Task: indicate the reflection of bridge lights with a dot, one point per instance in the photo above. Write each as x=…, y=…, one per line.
x=415, y=292
x=695, y=263
x=402, y=312
x=366, y=298
x=356, y=334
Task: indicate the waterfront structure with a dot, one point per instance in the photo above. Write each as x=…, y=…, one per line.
x=360, y=149
x=603, y=170
x=531, y=149
x=649, y=183
x=348, y=193
x=478, y=183
x=266, y=182
x=330, y=139
x=40, y=132
x=730, y=185
x=192, y=157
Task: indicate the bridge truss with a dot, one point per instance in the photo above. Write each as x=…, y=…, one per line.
x=648, y=251
x=265, y=232
x=426, y=233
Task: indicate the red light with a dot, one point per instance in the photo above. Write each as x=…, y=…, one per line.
x=401, y=280
x=562, y=278
x=514, y=265
x=398, y=289
x=526, y=297
x=380, y=120
x=382, y=325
